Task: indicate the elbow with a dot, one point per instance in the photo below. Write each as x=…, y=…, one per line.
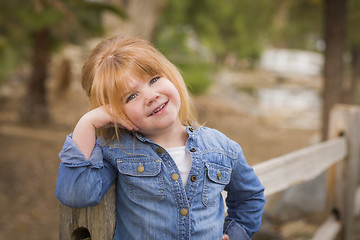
x=78, y=192
x=258, y=199
x=77, y=198
x=261, y=197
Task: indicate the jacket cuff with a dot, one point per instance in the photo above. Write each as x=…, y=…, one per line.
x=235, y=231
x=71, y=155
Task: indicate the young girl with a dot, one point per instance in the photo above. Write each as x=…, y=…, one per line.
x=141, y=133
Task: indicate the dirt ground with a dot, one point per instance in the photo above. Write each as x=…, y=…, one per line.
x=29, y=161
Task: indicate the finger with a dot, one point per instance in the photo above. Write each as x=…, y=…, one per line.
x=134, y=127
x=128, y=125
x=225, y=237
x=123, y=122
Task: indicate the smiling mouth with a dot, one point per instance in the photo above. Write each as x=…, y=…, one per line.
x=158, y=109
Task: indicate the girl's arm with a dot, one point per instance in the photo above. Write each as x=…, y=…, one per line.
x=84, y=177
x=83, y=183
x=84, y=132
x=245, y=202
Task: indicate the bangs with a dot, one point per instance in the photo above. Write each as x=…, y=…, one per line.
x=129, y=70
x=116, y=74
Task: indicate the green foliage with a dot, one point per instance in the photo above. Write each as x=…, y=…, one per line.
x=34, y=21
x=196, y=76
x=196, y=35
x=7, y=58
x=228, y=26
x=67, y=21
x=300, y=24
x=353, y=22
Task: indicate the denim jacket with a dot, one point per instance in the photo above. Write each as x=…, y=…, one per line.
x=151, y=202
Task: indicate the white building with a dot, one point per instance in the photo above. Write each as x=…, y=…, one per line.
x=292, y=62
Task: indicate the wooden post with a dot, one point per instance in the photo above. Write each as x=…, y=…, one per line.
x=343, y=178
x=93, y=223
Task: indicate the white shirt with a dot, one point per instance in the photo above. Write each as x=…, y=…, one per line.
x=183, y=161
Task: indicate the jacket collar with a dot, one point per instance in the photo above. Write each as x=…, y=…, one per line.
x=191, y=131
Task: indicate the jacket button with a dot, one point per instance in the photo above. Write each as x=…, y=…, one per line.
x=159, y=150
x=140, y=169
x=184, y=212
x=193, y=150
x=219, y=175
x=191, y=129
x=174, y=176
x=193, y=178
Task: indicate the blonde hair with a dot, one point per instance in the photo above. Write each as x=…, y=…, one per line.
x=105, y=75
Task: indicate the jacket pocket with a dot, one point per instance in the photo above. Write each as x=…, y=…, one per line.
x=143, y=178
x=217, y=177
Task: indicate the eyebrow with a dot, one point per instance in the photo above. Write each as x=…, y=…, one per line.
x=132, y=85
x=127, y=93
x=130, y=88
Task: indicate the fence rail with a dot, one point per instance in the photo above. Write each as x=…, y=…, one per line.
x=339, y=157
x=280, y=173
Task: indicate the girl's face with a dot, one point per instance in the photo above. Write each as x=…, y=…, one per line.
x=152, y=105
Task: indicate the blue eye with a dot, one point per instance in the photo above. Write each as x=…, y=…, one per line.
x=131, y=97
x=154, y=80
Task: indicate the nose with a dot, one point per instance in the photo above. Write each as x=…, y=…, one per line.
x=151, y=96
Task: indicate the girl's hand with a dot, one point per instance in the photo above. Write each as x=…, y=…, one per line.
x=100, y=118
x=84, y=132
x=225, y=237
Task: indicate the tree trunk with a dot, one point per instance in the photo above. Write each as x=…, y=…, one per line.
x=335, y=12
x=34, y=108
x=63, y=76
x=141, y=21
x=354, y=78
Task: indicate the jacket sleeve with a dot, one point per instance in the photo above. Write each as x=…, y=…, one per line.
x=245, y=201
x=83, y=182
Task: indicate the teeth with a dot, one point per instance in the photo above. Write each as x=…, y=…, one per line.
x=161, y=107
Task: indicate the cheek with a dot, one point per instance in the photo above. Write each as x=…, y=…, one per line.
x=176, y=97
x=132, y=114
x=172, y=92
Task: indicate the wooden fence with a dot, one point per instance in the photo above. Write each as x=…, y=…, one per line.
x=339, y=157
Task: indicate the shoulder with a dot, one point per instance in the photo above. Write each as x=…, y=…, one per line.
x=211, y=131
x=126, y=143
x=214, y=135
x=124, y=138
x=212, y=138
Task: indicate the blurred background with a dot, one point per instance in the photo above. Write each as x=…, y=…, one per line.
x=265, y=72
